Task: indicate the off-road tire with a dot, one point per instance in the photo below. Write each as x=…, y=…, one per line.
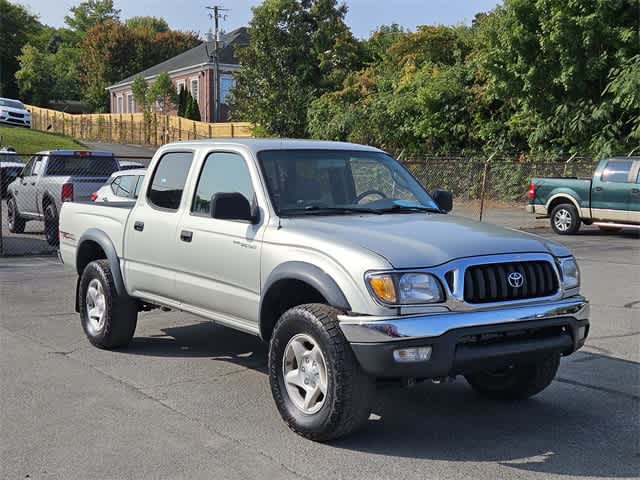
x=51, y=224
x=16, y=222
x=121, y=313
x=518, y=382
x=350, y=391
x=572, y=212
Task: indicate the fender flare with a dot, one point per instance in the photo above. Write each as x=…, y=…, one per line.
x=566, y=195
x=311, y=275
x=103, y=240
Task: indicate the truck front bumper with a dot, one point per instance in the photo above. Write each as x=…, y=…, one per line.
x=464, y=342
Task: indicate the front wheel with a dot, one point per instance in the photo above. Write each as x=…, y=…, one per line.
x=516, y=382
x=317, y=384
x=108, y=319
x=565, y=219
x=51, y=225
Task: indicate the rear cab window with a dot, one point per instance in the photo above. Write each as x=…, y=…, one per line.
x=169, y=179
x=617, y=171
x=82, y=166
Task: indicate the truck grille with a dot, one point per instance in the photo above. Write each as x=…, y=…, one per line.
x=500, y=282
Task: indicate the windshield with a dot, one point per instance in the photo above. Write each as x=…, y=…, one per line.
x=11, y=103
x=82, y=166
x=340, y=181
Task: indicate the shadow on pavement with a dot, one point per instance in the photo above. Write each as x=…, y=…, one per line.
x=572, y=432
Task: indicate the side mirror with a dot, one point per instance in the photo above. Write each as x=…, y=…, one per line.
x=231, y=206
x=444, y=200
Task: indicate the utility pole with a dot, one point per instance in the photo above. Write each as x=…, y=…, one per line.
x=215, y=13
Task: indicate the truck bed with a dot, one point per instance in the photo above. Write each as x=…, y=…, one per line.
x=77, y=218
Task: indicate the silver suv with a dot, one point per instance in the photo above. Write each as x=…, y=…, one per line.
x=335, y=255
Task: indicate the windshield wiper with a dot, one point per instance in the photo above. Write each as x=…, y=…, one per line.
x=410, y=208
x=318, y=210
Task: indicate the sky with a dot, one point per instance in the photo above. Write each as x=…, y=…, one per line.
x=363, y=17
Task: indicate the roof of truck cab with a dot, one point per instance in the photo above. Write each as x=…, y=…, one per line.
x=259, y=144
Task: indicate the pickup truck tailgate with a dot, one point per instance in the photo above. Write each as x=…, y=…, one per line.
x=83, y=187
x=78, y=218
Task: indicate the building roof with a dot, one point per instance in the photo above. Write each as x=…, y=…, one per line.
x=196, y=56
x=255, y=145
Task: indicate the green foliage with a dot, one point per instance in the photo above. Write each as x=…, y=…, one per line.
x=147, y=25
x=182, y=101
x=90, y=13
x=164, y=92
x=191, y=108
x=298, y=49
x=17, y=26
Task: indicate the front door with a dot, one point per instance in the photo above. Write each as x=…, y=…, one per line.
x=634, y=195
x=610, y=191
x=220, y=259
x=150, y=237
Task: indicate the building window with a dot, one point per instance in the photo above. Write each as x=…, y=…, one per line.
x=227, y=82
x=131, y=106
x=119, y=104
x=194, y=88
x=180, y=85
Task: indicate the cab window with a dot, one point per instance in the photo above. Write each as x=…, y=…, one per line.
x=168, y=181
x=221, y=173
x=617, y=171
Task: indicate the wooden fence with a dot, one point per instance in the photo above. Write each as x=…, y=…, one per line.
x=132, y=128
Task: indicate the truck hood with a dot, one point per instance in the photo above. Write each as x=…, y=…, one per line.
x=420, y=240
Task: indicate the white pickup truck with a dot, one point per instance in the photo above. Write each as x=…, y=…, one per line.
x=335, y=255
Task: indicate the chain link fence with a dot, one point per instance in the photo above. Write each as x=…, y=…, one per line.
x=487, y=188
x=33, y=188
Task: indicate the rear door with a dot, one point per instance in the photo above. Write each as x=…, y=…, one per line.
x=150, y=236
x=611, y=190
x=28, y=193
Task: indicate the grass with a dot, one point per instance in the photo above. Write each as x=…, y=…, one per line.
x=29, y=141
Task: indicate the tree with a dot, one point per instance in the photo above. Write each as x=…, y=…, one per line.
x=36, y=75
x=182, y=101
x=298, y=50
x=17, y=26
x=191, y=109
x=147, y=25
x=90, y=13
x=141, y=94
x=164, y=92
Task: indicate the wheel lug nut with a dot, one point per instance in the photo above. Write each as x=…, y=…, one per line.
x=302, y=368
x=306, y=381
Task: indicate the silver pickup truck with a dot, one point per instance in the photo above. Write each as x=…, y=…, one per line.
x=335, y=255
x=51, y=178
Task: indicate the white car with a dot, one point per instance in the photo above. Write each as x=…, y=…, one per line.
x=122, y=186
x=13, y=112
x=129, y=165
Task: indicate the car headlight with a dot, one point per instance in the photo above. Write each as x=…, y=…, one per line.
x=405, y=288
x=570, y=273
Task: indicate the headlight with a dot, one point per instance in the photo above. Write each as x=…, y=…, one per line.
x=405, y=288
x=570, y=273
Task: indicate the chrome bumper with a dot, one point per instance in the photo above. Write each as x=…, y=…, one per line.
x=369, y=329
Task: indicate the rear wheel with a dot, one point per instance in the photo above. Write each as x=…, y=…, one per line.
x=109, y=320
x=51, y=224
x=16, y=222
x=565, y=219
x=318, y=386
x=516, y=382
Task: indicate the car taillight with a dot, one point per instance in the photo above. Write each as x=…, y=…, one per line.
x=531, y=193
x=67, y=192
x=94, y=196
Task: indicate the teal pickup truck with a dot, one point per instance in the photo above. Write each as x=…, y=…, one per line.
x=609, y=200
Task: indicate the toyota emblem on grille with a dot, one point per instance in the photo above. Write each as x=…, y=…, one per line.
x=516, y=280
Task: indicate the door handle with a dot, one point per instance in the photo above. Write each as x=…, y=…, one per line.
x=139, y=226
x=635, y=191
x=599, y=189
x=186, y=236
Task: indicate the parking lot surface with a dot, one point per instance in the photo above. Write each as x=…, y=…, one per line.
x=189, y=399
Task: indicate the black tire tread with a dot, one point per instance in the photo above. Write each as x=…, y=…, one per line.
x=19, y=223
x=122, y=312
x=354, y=391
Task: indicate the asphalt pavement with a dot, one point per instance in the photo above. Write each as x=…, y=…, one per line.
x=191, y=400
